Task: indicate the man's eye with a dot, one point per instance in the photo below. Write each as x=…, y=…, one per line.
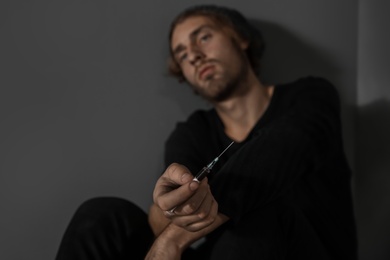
x=205, y=37
x=183, y=57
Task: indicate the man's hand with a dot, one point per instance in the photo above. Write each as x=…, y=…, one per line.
x=171, y=243
x=195, y=215
x=195, y=207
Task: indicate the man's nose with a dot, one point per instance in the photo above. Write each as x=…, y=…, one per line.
x=195, y=55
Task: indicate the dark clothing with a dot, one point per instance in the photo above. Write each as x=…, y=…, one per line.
x=286, y=188
x=115, y=229
x=106, y=229
x=294, y=154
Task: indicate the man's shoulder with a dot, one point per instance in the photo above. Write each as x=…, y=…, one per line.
x=309, y=87
x=309, y=83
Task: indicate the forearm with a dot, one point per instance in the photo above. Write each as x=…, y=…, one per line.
x=157, y=221
x=183, y=238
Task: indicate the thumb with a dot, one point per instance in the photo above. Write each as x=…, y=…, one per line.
x=194, y=185
x=177, y=174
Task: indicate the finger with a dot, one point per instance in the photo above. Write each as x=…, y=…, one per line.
x=198, y=216
x=207, y=221
x=177, y=174
x=173, y=198
x=173, y=178
x=195, y=223
x=206, y=207
x=196, y=201
x=169, y=213
x=203, y=212
x=191, y=205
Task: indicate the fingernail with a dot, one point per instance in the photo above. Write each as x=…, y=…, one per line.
x=194, y=185
x=186, y=177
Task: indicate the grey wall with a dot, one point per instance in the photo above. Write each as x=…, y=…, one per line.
x=86, y=104
x=373, y=128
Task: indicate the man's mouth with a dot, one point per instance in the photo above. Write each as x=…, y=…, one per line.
x=206, y=71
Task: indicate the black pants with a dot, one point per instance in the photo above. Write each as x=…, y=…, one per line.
x=113, y=228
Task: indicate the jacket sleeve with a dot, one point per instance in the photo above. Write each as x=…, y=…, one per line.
x=290, y=147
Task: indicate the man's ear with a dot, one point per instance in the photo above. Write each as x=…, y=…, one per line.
x=241, y=43
x=244, y=44
x=238, y=40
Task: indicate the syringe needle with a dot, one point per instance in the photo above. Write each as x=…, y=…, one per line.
x=226, y=149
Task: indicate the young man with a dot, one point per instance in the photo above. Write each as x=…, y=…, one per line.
x=282, y=191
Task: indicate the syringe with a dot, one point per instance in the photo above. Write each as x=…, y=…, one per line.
x=206, y=170
x=203, y=173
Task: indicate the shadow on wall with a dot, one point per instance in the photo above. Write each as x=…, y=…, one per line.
x=286, y=58
x=373, y=180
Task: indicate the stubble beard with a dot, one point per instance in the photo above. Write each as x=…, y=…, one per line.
x=221, y=89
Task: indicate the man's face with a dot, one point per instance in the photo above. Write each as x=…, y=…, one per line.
x=211, y=61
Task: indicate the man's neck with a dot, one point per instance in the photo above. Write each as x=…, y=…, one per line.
x=240, y=113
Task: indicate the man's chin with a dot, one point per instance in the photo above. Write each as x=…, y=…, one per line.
x=215, y=97
x=212, y=90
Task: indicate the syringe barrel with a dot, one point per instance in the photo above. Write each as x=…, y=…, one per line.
x=202, y=174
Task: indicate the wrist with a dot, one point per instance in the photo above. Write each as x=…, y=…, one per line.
x=176, y=236
x=164, y=248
